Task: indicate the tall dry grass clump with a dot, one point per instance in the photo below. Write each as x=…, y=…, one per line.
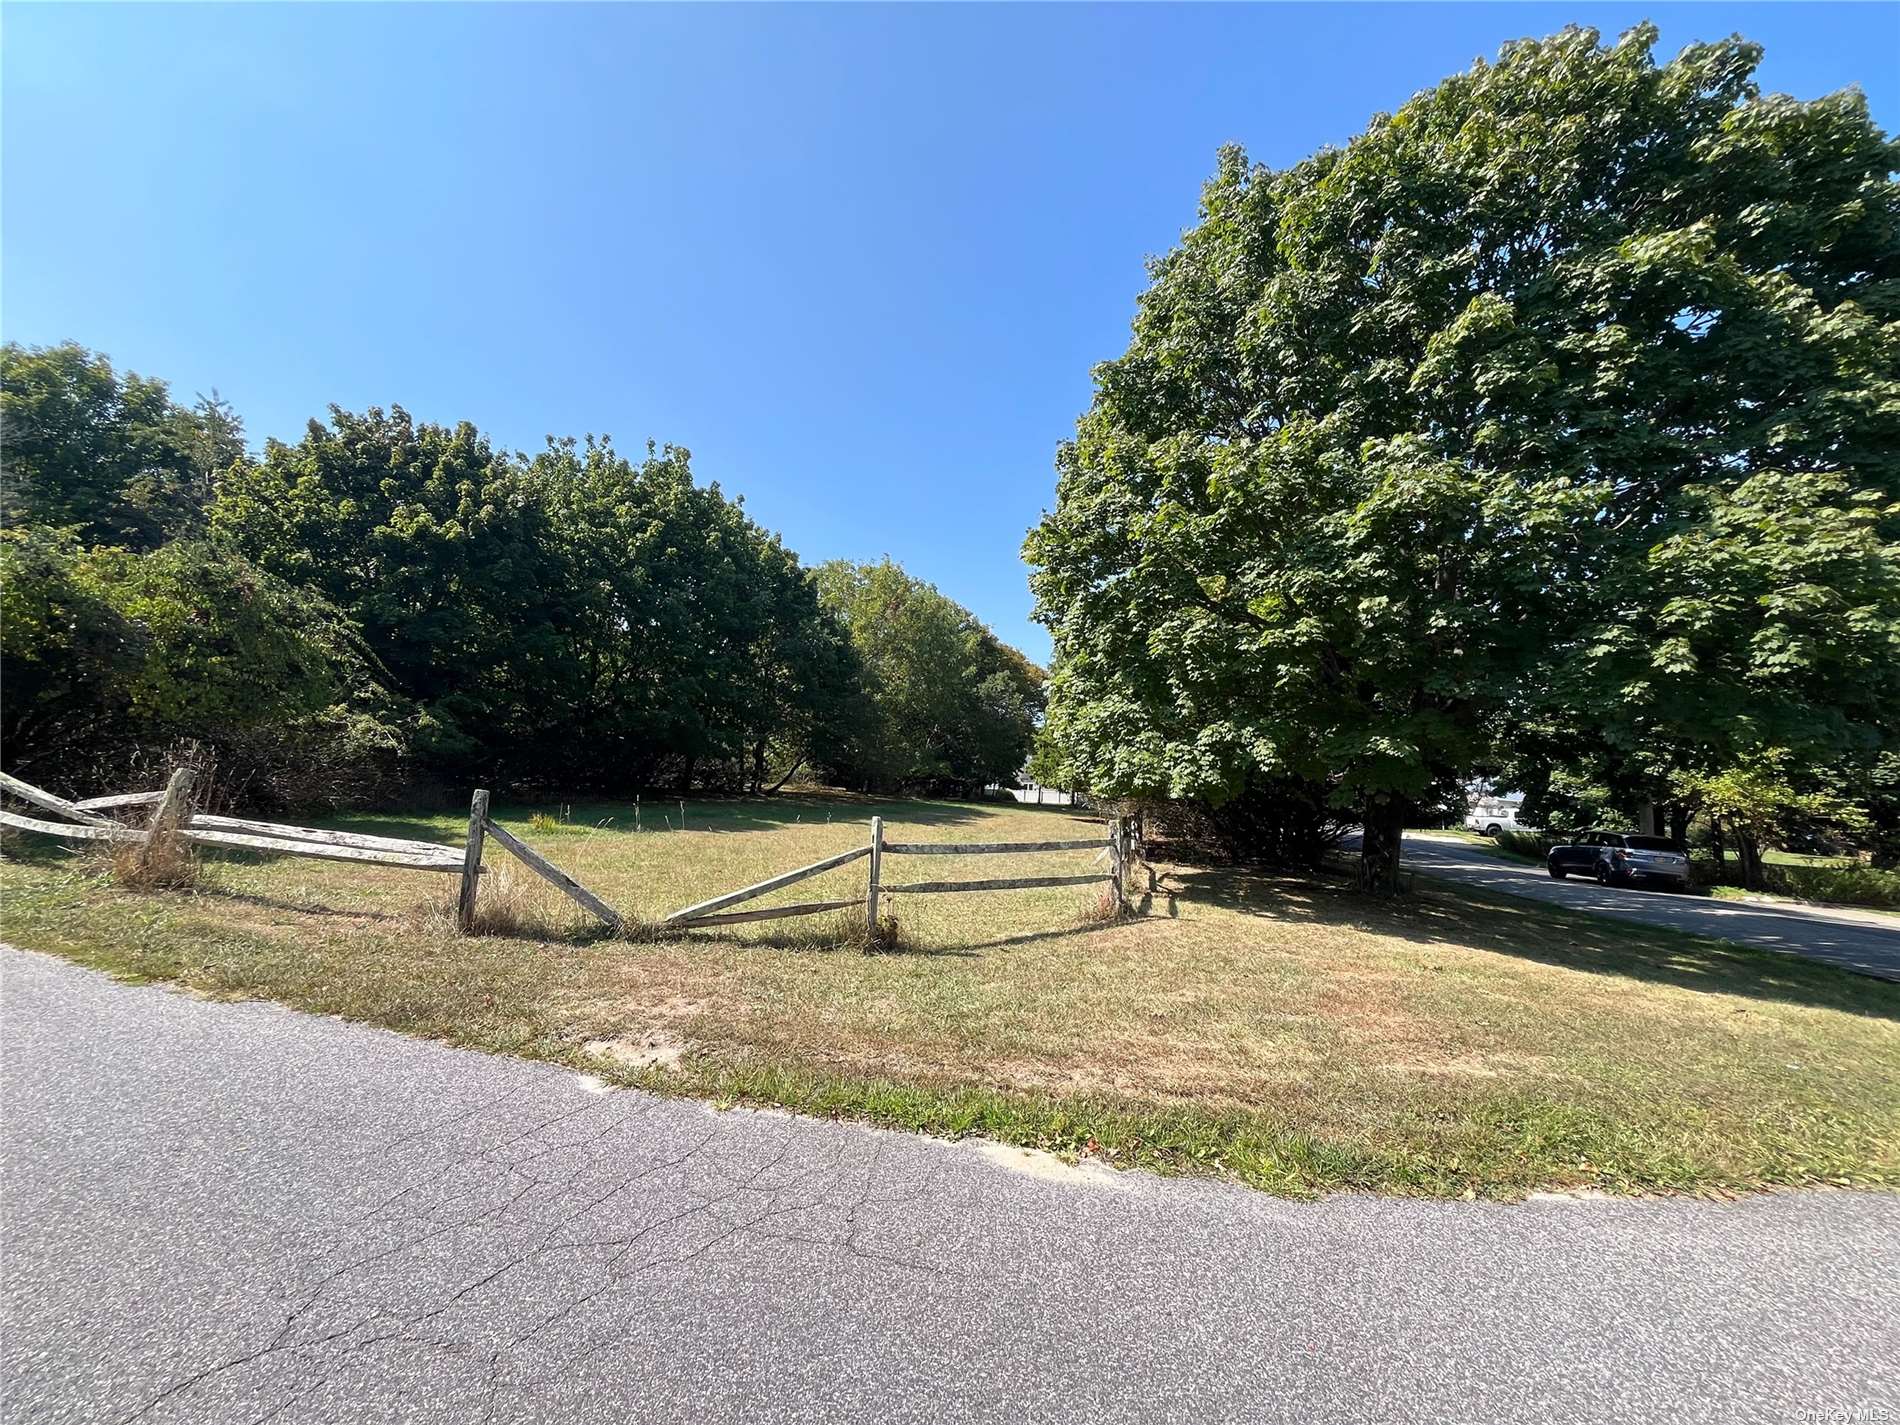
x=515, y=903
x=1098, y=906
x=164, y=863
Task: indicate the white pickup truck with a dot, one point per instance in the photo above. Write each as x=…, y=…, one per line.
x=1493, y=814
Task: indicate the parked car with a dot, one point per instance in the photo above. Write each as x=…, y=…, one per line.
x=1491, y=814
x=1622, y=858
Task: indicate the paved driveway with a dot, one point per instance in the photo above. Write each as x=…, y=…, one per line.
x=1867, y=942
x=238, y=1213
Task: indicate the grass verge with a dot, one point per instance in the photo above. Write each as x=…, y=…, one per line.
x=1283, y=1032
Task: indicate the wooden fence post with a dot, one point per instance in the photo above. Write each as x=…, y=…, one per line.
x=472, y=861
x=174, y=810
x=870, y=899
x=1118, y=861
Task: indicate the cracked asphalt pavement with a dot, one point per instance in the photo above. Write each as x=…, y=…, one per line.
x=1866, y=942
x=240, y=1213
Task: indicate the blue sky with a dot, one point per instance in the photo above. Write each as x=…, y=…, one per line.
x=858, y=259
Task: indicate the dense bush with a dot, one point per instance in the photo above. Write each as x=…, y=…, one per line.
x=1519, y=842
x=1841, y=882
x=119, y=664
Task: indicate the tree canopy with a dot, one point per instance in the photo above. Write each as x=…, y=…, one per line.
x=399, y=599
x=111, y=457
x=1556, y=414
x=950, y=705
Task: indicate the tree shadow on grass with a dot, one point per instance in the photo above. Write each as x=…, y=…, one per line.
x=661, y=816
x=1035, y=937
x=298, y=907
x=1439, y=914
x=702, y=814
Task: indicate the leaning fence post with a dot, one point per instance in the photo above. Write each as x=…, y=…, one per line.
x=1118, y=862
x=870, y=898
x=472, y=861
x=174, y=810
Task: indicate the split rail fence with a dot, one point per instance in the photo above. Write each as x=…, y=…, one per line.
x=1117, y=850
x=173, y=816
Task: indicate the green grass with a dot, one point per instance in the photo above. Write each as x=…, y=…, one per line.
x=1283, y=1032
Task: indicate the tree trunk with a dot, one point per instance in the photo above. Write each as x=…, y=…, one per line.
x=1721, y=851
x=1751, y=859
x=790, y=773
x=1679, y=824
x=758, y=767
x=1384, y=823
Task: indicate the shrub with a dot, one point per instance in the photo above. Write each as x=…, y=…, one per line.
x=1848, y=883
x=1532, y=844
x=1284, y=821
x=120, y=667
x=1841, y=883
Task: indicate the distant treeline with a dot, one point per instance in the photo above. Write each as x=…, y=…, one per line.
x=389, y=603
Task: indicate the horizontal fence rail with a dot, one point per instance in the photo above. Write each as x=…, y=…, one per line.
x=776, y=912
x=435, y=858
x=983, y=848
x=46, y=801
x=1006, y=883
x=69, y=831
x=443, y=858
x=311, y=835
x=123, y=799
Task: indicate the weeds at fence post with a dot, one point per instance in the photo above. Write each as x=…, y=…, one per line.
x=173, y=811
x=472, y=861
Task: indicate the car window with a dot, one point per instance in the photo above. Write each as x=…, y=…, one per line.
x=1609, y=841
x=1650, y=843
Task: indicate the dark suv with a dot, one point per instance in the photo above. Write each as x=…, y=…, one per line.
x=1621, y=858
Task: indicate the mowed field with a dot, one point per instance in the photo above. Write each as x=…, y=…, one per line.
x=1283, y=1031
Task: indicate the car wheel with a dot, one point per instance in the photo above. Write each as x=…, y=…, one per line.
x=1492, y=830
x=1557, y=873
x=1606, y=874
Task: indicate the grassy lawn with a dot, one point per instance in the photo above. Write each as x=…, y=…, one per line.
x=1284, y=1032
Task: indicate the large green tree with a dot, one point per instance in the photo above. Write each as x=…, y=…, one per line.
x=694, y=637
x=436, y=545
x=1418, y=442
x=576, y=619
x=952, y=707
x=109, y=456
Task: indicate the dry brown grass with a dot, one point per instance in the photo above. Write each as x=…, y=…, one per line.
x=514, y=902
x=1444, y=1037
x=165, y=863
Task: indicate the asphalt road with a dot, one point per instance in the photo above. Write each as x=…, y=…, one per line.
x=240, y=1213
x=1864, y=941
